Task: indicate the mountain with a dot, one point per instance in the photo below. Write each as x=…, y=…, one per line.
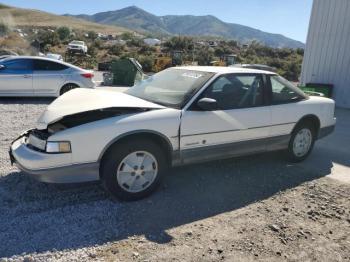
x=13, y=17
x=130, y=17
x=137, y=19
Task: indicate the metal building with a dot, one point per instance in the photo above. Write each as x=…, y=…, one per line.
x=327, y=52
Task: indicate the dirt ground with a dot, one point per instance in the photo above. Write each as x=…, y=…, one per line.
x=256, y=208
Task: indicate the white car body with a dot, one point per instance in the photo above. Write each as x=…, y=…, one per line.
x=54, y=56
x=77, y=46
x=187, y=135
x=40, y=76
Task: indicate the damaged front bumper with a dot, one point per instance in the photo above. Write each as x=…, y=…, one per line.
x=48, y=167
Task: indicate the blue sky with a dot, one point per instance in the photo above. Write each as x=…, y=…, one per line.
x=287, y=17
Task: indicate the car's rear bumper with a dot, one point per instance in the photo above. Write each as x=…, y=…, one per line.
x=48, y=167
x=325, y=131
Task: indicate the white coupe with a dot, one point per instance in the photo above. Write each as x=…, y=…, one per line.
x=179, y=116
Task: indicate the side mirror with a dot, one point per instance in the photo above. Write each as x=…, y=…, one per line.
x=207, y=104
x=2, y=67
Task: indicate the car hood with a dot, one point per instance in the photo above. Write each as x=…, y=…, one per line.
x=81, y=100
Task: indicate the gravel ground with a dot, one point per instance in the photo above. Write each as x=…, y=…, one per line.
x=243, y=209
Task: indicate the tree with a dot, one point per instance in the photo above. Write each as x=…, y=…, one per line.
x=63, y=32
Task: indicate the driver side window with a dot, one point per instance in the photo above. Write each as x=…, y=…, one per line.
x=236, y=91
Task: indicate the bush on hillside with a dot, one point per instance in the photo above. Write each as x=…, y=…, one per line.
x=127, y=36
x=63, y=32
x=146, y=62
x=92, y=35
x=116, y=50
x=47, y=38
x=182, y=43
x=4, y=29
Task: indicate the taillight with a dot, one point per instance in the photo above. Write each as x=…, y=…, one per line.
x=88, y=75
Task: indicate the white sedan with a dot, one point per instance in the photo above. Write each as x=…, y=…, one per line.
x=179, y=116
x=40, y=76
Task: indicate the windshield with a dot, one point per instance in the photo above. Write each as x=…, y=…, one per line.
x=172, y=87
x=77, y=43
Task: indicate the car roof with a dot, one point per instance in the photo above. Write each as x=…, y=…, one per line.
x=41, y=58
x=225, y=70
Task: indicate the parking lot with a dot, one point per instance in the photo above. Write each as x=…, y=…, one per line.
x=257, y=207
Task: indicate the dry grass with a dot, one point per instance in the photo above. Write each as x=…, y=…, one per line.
x=15, y=43
x=28, y=17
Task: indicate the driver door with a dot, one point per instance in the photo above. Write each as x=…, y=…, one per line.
x=238, y=126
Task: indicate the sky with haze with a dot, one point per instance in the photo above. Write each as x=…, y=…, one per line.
x=287, y=17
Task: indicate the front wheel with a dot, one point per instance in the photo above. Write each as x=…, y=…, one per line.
x=133, y=170
x=301, y=142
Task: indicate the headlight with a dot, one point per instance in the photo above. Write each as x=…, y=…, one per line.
x=58, y=147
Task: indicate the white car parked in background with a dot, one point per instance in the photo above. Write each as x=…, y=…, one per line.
x=40, y=76
x=178, y=116
x=77, y=47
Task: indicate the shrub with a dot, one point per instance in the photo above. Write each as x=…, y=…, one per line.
x=47, y=38
x=182, y=43
x=92, y=51
x=92, y=35
x=63, y=32
x=4, y=29
x=127, y=35
x=147, y=50
x=116, y=50
x=205, y=56
x=146, y=62
x=135, y=41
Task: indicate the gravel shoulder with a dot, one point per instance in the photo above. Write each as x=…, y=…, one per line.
x=245, y=209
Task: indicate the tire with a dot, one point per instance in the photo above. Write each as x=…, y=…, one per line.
x=67, y=88
x=126, y=176
x=301, y=142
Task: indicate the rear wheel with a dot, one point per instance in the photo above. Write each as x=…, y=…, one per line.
x=133, y=170
x=301, y=142
x=67, y=88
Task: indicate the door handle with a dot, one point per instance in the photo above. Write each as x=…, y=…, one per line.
x=27, y=76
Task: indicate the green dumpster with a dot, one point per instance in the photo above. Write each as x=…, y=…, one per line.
x=126, y=71
x=325, y=89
